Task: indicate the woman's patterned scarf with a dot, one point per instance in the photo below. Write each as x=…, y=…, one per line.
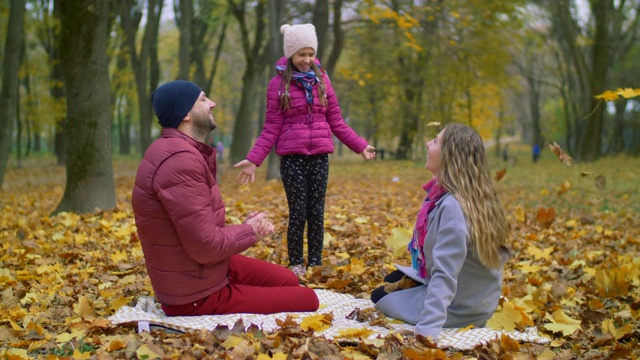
x=434, y=193
x=304, y=80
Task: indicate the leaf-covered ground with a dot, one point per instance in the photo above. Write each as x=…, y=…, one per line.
x=574, y=272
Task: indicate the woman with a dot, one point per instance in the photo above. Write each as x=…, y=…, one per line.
x=458, y=245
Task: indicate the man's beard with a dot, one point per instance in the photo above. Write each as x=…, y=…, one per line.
x=203, y=126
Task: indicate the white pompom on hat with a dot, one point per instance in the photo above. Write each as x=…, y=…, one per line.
x=298, y=37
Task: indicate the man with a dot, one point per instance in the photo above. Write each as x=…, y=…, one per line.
x=191, y=256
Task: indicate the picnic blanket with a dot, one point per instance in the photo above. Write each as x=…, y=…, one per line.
x=340, y=305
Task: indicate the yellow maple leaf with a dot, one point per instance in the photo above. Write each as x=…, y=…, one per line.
x=505, y=318
x=560, y=322
x=629, y=93
x=84, y=307
x=317, y=323
x=357, y=266
x=520, y=214
x=6, y=277
x=527, y=267
x=608, y=95
x=398, y=240
x=77, y=354
x=564, y=187
x=119, y=256
x=149, y=351
x=540, y=254
x=231, y=342
x=609, y=326
x=353, y=333
x=612, y=281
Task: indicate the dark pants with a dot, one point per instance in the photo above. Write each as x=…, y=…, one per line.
x=255, y=286
x=305, y=183
x=379, y=293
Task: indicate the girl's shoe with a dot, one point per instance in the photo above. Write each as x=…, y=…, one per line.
x=299, y=270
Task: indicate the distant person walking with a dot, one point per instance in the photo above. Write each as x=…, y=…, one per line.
x=220, y=151
x=505, y=153
x=535, y=152
x=302, y=114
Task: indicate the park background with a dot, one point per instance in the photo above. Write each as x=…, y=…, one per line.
x=75, y=118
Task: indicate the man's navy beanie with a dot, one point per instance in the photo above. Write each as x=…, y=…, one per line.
x=173, y=100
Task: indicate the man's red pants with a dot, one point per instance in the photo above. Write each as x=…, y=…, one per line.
x=255, y=286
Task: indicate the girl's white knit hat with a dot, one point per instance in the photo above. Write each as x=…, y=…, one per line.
x=297, y=37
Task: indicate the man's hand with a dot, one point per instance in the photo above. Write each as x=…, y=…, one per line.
x=258, y=222
x=369, y=152
x=247, y=171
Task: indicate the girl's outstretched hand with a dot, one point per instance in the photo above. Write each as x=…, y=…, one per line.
x=369, y=152
x=247, y=171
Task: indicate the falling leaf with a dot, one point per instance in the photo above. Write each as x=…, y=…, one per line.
x=564, y=158
x=586, y=173
x=433, y=123
x=608, y=95
x=500, y=174
x=612, y=281
x=398, y=240
x=546, y=216
x=629, y=93
x=600, y=182
x=564, y=187
x=520, y=214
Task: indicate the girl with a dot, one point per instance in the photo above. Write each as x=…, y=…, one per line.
x=458, y=245
x=301, y=117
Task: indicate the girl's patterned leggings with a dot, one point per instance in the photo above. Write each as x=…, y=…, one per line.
x=305, y=182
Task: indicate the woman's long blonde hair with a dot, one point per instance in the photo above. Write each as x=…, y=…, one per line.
x=285, y=100
x=464, y=172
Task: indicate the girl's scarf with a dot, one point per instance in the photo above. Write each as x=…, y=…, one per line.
x=434, y=193
x=304, y=80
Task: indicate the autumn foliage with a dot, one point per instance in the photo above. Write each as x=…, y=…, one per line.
x=573, y=275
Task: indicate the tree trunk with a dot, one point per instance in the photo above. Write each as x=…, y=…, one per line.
x=616, y=145
x=321, y=22
x=10, y=74
x=256, y=55
x=590, y=145
x=84, y=34
x=184, y=19
x=276, y=9
x=338, y=38
x=243, y=129
x=205, y=28
x=130, y=20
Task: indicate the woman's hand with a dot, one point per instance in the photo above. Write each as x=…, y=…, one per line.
x=247, y=172
x=369, y=152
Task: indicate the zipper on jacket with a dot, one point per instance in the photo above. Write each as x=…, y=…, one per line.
x=309, y=128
